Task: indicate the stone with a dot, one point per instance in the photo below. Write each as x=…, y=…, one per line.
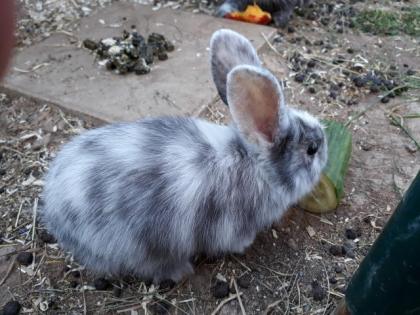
x=220, y=289
x=244, y=281
x=11, y=308
x=101, y=284
x=25, y=258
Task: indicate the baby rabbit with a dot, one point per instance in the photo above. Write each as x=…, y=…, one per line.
x=143, y=198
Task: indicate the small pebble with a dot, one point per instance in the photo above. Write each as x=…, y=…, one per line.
x=374, y=88
x=339, y=59
x=367, y=219
x=338, y=269
x=90, y=44
x=11, y=308
x=24, y=258
x=385, y=99
x=169, y=46
x=366, y=146
x=333, y=280
x=220, y=289
x=141, y=67
x=311, y=63
x=325, y=21
x=75, y=273
x=410, y=72
x=350, y=50
x=351, y=234
x=167, y=285
x=46, y=237
x=300, y=77
x=290, y=29
x=312, y=90
x=162, y=55
x=336, y=250
x=411, y=148
x=359, y=81
x=333, y=94
x=101, y=284
x=318, y=292
x=2, y=172
x=312, y=16
x=244, y=281
x=347, y=249
x=117, y=292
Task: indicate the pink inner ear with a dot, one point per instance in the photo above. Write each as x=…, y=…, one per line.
x=267, y=128
x=265, y=117
x=254, y=98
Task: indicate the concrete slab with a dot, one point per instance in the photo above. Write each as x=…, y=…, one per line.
x=64, y=74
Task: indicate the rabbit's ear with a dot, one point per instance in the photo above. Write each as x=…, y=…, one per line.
x=229, y=49
x=256, y=102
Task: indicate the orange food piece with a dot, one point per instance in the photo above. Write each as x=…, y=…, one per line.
x=252, y=14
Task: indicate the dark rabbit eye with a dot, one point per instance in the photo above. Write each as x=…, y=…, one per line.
x=312, y=149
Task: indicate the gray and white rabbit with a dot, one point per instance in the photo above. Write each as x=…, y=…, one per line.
x=142, y=198
x=281, y=10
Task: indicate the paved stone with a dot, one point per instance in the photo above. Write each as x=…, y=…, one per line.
x=68, y=75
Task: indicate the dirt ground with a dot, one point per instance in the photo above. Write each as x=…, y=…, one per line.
x=291, y=268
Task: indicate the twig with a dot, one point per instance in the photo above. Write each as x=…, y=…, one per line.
x=21, y=250
x=239, y=297
x=18, y=215
x=132, y=308
x=34, y=210
x=340, y=295
x=8, y=272
x=34, y=68
x=411, y=116
x=66, y=121
x=241, y=263
x=399, y=124
x=222, y=303
x=272, y=305
x=66, y=33
x=35, y=270
x=11, y=149
x=269, y=44
x=328, y=284
x=84, y=297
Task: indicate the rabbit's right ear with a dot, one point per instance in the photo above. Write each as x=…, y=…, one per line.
x=229, y=49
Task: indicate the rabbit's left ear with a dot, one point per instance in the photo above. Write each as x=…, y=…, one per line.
x=255, y=100
x=229, y=49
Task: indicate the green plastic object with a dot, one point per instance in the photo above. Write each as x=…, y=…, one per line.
x=388, y=279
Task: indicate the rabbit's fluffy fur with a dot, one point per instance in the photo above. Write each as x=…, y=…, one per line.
x=144, y=197
x=281, y=10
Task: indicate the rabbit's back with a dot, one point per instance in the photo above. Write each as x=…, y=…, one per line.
x=126, y=194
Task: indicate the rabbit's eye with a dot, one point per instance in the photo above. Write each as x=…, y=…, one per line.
x=312, y=148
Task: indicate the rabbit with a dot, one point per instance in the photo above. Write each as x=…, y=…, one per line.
x=281, y=10
x=142, y=198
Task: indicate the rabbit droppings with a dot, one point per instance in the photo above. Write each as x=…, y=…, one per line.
x=144, y=197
